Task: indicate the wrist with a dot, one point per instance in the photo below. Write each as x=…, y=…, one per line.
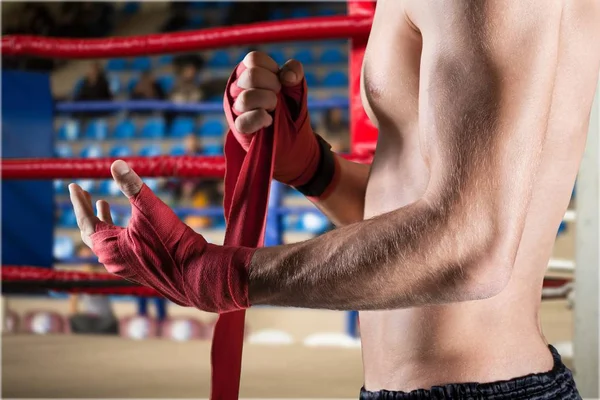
x=326, y=174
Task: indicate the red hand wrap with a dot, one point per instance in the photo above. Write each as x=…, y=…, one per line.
x=160, y=251
x=297, y=150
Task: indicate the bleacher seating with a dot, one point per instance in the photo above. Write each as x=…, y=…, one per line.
x=124, y=130
x=212, y=128
x=154, y=128
x=141, y=64
x=63, y=150
x=219, y=59
x=64, y=247
x=336, y=79
x=114, y=84
x=91, y=151
x=116, y=64
x=305, y=56
x=166, y=82
x=182, y=126
x=120, y=150
x=69, y=130
x=97, y=130
x=122, y=134
x=333, y=56
x=151, y=150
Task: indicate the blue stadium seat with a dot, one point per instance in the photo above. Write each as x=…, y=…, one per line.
x=196, y=21
x=333, y=56
x=212, y=150
x=97, y=129
x=182, y=126
x=166, y=82
x=219, y=58
x=166, y=59
x=88, y=185
x=177, y=150
x=305, y=56
x=151, y=150
x=114, y=83
x=141, y=64
x=63, y=150
x=300, y=13
x=92, y=151
x=131, y=83
x=77, y=86
x=327, y=12
x=154, y=128
x=152, y=183
x=336, y=79
x=60, y=186
x=120, y=150
x=311, y=79
x=70, y=130
x=109, y=187
x=131, y=7
x=116, y=65
x=124, y=130
x=276, y=14
x=218, y=222
x=562, y=228
x=67, y=219
x=64, y=247
x=212, y=128
x=279, y=56
x=313, y=222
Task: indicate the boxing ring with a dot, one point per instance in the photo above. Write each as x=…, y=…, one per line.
x=355, y=26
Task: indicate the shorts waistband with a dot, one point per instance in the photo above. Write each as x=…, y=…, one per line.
x=553, y=384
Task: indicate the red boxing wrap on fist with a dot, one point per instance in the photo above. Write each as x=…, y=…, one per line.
x=160, y=251
x=297, y=151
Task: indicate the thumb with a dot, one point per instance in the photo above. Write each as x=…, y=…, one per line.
x=291, y=73
x=129, y=182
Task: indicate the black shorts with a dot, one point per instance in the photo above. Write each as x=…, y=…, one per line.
x=558, y=383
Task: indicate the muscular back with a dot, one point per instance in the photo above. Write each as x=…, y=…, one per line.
x=524, y=71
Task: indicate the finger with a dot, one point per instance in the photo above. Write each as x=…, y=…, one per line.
x=260, y=59
x=252, y=121
x=86, y=220
x=252, y=99
x=128, y=181
x=291, y=73
x=88, y=197
x=104, y=212
x=259, y=78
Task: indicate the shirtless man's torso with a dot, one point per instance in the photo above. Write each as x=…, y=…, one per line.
x=500, y=337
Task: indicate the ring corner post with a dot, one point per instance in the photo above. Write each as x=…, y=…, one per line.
x=363, y=135
x=27, y=205
x=587, y=261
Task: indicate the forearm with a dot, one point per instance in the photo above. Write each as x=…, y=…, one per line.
x=406, y=258
x=346, y=202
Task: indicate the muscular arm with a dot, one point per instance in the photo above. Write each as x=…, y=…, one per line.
x=346, y=203
x=487, y=73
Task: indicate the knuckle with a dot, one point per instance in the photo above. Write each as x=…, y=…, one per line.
x=253, y=58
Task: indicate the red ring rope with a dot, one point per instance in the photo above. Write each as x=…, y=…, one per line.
x=99, y=168
x=321, y=28
x=52, y=277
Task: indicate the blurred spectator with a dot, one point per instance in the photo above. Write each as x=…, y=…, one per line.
x=159, y=302
x=147, y=88
x=245, y=12
x=335, y=122
x=91, y=313
x=85, y=19
x=95, y=85
x=178, y=18
x=186, y=89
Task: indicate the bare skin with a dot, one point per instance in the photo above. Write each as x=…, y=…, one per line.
x=482, y=109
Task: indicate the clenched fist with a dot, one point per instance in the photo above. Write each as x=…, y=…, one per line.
x=256, y=88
